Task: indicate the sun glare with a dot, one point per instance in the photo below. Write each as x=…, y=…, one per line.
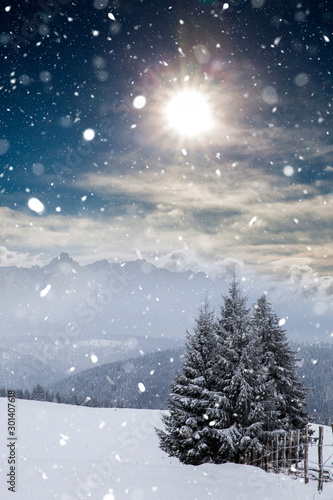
x=188, y=112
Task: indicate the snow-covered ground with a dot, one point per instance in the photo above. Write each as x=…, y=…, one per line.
x=74, y=453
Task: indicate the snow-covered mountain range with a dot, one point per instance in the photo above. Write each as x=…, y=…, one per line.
x=62, y=318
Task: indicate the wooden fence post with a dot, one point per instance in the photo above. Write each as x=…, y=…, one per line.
x=283, y=455
x=320, y=457
x=266, y=451
x=276, y=453
x=297, y=449
x=289, y=451
x=262, y=459
x=271, y=460
x=306, y=455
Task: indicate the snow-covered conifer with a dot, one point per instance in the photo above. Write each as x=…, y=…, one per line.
x=195, y=407
x=243, y=380
x=238, y=388
x=280, y=363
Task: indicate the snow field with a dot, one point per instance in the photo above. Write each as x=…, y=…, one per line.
x=73, y=453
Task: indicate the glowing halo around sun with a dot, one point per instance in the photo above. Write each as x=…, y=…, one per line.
x=188, y=113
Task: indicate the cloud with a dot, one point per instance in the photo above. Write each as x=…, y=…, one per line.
x=165, y=209
x=9, y=258
x=307, y=282
x=211, y=214
x=184, y=260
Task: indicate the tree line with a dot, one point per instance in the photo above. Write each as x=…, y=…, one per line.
x=39, y=393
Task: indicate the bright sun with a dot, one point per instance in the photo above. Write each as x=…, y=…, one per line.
x=188, y=112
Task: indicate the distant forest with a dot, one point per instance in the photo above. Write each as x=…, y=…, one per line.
x=39, y=393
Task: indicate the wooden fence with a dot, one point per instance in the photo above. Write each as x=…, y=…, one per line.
x=292, y=457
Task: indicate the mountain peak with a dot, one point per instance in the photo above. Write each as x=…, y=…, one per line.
x=64, y=263
x=64, y=256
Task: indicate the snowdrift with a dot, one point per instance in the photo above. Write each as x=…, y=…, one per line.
x=75, y=453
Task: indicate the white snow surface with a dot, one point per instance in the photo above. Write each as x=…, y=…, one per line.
x=68, y=452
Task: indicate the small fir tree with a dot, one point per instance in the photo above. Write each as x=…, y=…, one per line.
x=38, y=393
x=195, y=407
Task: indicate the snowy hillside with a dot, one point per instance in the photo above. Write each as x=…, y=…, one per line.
x=75, y=453
x=118, y=382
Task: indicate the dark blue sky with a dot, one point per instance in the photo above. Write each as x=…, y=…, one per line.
x=257, y=187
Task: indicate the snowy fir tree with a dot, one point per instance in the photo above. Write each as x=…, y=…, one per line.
x=243, y=379
x=280, y=363
x=196, y=408
x=38, y=393
x=238, y=388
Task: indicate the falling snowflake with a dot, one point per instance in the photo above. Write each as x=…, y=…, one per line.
x=141, y=387
x=45, y=291
x=36, y=205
